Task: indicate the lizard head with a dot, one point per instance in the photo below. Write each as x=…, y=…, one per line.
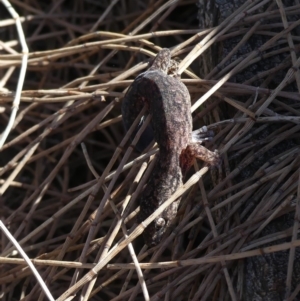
x=162, y=61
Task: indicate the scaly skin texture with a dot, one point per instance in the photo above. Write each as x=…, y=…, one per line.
x=168, y=101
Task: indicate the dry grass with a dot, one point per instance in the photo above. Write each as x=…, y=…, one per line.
x=73, y=208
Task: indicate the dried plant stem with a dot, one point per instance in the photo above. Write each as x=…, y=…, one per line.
x=16, y=102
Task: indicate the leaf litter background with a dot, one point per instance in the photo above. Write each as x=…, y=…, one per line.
x=68, y=205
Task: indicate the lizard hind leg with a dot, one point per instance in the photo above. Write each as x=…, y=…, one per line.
x=196, y=150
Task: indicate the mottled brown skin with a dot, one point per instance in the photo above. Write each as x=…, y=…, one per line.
x=169, y=103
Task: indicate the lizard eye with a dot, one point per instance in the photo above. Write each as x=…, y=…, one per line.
x=160, y=222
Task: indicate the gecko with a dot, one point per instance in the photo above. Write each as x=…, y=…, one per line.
x=169, y=103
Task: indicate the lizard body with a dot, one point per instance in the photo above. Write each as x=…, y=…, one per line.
x=169, y=103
